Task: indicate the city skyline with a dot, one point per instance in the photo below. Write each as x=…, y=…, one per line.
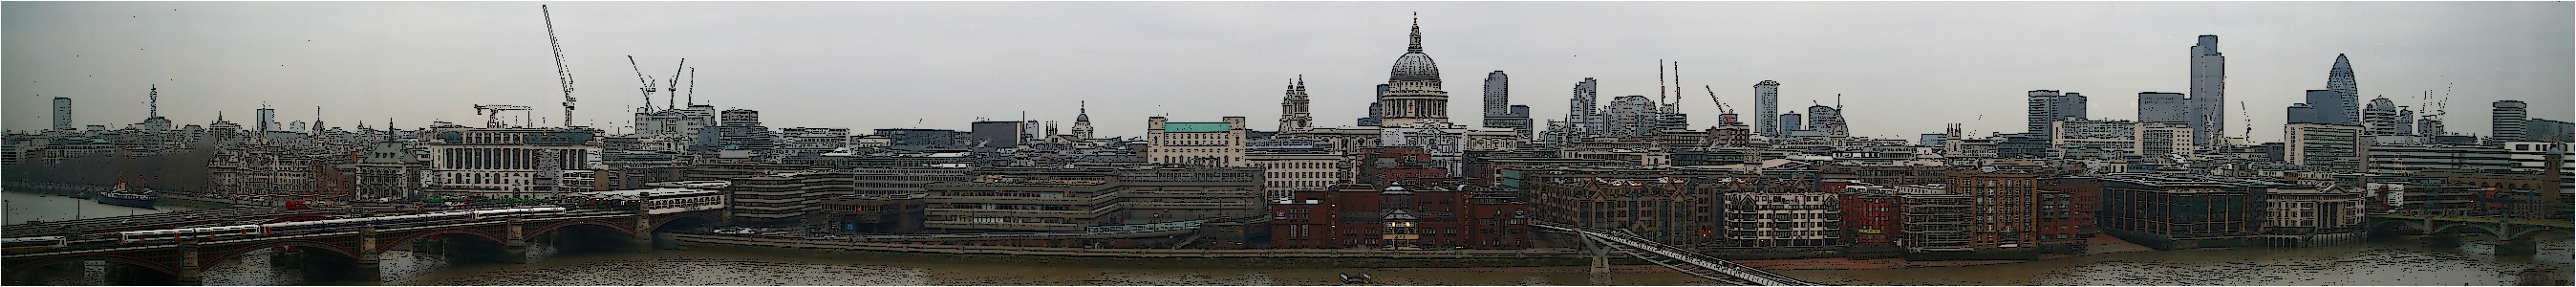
x=1204, y=61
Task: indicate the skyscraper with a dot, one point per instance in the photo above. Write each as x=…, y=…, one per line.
x=2380, y=118
x=1766, y=108
x=62, y=114
x=1376, y=110
x=1583, y=110
x=1413, y=93
x=267, y=120
x=1630, y=115
x=2339, y=80
x=2208, y=92
x=2507, y=121
x=1498, y=95
x=2323, y=107
x=2163, y=107
x=2047, y=106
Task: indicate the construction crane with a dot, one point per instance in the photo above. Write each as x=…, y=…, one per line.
x=646, y=81
x=1712, y=97
x=493, y=112
x=563, y=73
x=671, y=93
x=2248, y=136
x=693, y=86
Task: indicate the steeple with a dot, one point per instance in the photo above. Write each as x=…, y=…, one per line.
x=156, y=101
x=1417, y=33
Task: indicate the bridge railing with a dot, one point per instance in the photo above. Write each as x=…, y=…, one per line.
x=1631, y=240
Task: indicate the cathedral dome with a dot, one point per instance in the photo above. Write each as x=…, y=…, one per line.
x=1414, y=65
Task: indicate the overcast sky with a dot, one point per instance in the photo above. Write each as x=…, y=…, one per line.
x=1902, y=68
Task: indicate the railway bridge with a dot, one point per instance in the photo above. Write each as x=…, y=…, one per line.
x=2442, y=230
x=354, y=253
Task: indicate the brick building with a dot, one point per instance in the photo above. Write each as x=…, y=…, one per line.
x=1353, y=216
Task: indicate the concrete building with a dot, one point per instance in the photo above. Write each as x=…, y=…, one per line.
x=1936, y=222
x=996, y=134
x=2048, y=106
x=2320, y=108
x=2381, y=118
x=2300, y=216
x=2159, y=139
x=2208, y=92
x=1285, y=173
x=267, y=120
x=2093, y=138
x=1215, y=144
x=2168, y=213
x=1631, y=115
x=506, y=163
x=62, y=114
x=2408, y=159
x=1075, y=200
x=2548, y=131
x=926, y=139
x=2164, y=107
x=786, y=198
x=1500, y=113
x=814, y=140
x=2508, y=121
x=2333, y=147
x=1766, y=109
x=1584, y=110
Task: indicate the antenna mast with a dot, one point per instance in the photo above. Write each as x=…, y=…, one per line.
x=563, y=73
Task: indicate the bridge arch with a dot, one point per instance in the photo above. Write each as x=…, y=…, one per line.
x=426, y=234
x=17, y=271
x=562, y=225
x=238, y=252
x=2462, y=227
x=658, y=223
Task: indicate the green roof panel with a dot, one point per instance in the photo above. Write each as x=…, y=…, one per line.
x=1197, y=127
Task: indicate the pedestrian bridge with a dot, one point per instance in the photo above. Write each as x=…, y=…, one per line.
x=1601, y=241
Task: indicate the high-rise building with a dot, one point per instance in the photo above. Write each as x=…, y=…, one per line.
x=1376, y=109
x=2047, y=106
x=1292, y=109
x=62, y=113
x=2158, y=139
x=2164, y=107
x=2508, y=120
x=1766, y=109
x=2208, y=92
x=1413, y=93
x=2380, y=118
x=2339, y=79
x=1583, y=111
x=2548, y=131
x=267, y=120
x=2322, y=107
x=1630, y=115
x=1499, y=111
x=2331, y=146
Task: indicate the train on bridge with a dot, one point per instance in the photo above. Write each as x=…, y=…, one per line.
x=251, y=230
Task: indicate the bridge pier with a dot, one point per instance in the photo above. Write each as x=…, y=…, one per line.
x=369, y=268
x=2517, y=246
x=188, y=271
x=642, y=242
x=2447, y=239
x=1600, y=261
x=515, y=248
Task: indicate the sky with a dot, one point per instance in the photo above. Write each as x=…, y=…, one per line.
x=1901, y=68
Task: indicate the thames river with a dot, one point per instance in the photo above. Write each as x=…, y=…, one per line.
x=2387, y=263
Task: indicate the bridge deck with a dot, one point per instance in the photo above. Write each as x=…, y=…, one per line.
x=1679, y=259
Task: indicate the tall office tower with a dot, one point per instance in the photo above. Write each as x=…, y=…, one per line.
x=62, y=114
x=1292, y=108
x=1583, y=110
x=2405, y=121
x=2322, y=107
x=1631, y=115
x=267, y=120
x=2208, y=92
x=2339, y=80
x=1498, y=95
x=2047, y=106
x=1828, y=120
x=1413, y=94
x=2163, y=107
x=1766, y=108
x=2380, y=118
x=2508, y=120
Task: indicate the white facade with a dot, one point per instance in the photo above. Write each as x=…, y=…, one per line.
x=1207, y=144
x=62, y=113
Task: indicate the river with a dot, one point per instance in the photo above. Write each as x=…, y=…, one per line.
x=2380, y=263
x=25, y=206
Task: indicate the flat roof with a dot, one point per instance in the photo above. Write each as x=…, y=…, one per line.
x=647, y=193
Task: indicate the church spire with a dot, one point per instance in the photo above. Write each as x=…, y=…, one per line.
x=1417, y=33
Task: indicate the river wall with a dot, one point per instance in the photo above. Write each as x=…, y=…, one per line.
x=1158, y=258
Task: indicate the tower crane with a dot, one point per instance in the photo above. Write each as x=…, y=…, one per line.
x=646, y=81
x=671, y=93
x=1712, y=97
x=2248, y=136
x=563, y=73
x=493, y=112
